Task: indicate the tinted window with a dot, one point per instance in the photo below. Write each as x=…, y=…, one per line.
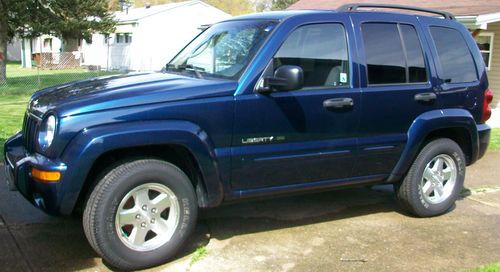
x=321, y=51
x=414, y=55
x=456, y=60
x=384, y=53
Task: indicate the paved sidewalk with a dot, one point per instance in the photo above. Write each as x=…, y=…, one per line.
x=354, y=229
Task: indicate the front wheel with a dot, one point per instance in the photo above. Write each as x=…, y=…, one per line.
x=140, y=214
x=434, y=180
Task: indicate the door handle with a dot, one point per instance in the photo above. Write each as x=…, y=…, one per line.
x=338, y=103
x=425, y=97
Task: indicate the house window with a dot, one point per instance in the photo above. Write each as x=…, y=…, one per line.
x=485, y=43
x=123, y=37
x=47, y=44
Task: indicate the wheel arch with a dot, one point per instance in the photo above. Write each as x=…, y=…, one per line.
x=175, y=154
x=181, y=143
x=456, y=124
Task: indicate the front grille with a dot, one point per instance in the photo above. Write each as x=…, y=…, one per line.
x=30, y=128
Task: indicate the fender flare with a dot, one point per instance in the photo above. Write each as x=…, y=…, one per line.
x=425, y=124
x=85, y=148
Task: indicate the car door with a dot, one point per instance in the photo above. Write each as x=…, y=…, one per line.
x=294, y=137
x=457, y=69
x=396, y=86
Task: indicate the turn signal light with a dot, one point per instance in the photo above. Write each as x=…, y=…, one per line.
x=45, y=176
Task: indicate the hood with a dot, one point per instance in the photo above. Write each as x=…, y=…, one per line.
x=124, y=91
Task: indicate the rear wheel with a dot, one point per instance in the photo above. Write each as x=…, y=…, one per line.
x=434, y=180
x=140, y=214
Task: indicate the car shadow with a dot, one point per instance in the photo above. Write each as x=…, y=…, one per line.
x=299, y=210
x=62, y=245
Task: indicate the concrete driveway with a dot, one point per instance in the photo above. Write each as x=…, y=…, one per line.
x=354, y=229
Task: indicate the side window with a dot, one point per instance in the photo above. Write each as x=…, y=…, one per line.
x=454, y=55
x=321, y=51
x=384, y=53
x=393, y=54
x=414, y=54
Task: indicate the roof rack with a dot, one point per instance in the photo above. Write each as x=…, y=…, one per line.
x=356, y=6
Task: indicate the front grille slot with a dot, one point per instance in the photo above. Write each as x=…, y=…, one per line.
x=30, y=128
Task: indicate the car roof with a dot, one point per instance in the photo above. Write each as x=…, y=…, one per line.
x=278, y=15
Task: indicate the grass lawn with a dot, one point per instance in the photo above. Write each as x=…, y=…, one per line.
x=495, y=139
x=487, y=268
x=21, y=83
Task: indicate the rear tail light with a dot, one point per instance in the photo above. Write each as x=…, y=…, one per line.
x=488, y=97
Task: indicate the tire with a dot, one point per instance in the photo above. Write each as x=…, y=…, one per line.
x=441, y=161
x=152, y=198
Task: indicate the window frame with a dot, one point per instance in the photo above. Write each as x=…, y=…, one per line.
x=403, y=46
x=269, y=70
x=491, y=35
x=123, y=38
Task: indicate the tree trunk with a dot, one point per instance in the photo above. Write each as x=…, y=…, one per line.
x=3, y=42
x=3, y=51
x=70, y=45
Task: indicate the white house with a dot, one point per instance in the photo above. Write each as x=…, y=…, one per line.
x=147, y=38
x=26, y=50
x=14, y=50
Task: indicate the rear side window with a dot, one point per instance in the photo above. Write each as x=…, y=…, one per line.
x=414, y=55
x=384, y=53
x=393, y=54
x=456, y=60
x=321, y=51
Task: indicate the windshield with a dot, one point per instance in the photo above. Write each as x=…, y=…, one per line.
x=222, y=51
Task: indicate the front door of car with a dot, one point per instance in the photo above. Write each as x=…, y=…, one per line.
x=305, y=135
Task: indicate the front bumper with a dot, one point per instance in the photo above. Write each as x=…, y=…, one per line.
x=18, y=165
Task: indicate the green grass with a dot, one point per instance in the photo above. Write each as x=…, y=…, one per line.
x=198, y=255
x=21, y=84
x=495, y=139
x=487, y=268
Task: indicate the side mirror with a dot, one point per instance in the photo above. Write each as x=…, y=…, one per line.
x=286, y=78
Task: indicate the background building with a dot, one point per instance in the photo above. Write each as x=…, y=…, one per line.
x=147, y=38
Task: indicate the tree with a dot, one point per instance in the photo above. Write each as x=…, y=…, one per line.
x=74, y=20
x=15, y=15
x=69, y=19
x=282, y=4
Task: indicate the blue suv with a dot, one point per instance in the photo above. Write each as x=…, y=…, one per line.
x=259, y=105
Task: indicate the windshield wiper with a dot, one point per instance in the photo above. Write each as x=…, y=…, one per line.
x=189, y=67
x=186, y=67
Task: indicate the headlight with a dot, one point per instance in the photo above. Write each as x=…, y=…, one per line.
x=47, y=132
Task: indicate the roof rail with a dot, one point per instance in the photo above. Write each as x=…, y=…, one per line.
x=356, y=6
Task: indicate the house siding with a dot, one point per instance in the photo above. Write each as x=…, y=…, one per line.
x=494, y=72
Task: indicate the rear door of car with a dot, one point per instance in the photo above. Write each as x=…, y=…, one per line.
x=396, y=85
x=458, y=65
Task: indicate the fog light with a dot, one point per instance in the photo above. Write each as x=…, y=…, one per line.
x=45, y=176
